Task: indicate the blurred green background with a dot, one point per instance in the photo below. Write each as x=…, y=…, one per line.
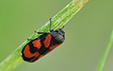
x=87, y=33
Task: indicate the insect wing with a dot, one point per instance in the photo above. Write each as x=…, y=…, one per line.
x=30, y=51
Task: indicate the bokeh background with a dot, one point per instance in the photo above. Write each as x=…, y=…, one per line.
x=87, y=33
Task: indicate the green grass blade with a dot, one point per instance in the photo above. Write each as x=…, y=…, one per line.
x=102, y=61
x=58, y=21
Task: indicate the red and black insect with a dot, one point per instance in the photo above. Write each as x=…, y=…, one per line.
x=43, y=44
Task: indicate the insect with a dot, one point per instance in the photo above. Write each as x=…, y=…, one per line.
x=43, y=44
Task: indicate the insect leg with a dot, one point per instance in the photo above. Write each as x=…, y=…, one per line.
x=62, y=27
x=29, y=39
x=40, y=32
x=50, y=25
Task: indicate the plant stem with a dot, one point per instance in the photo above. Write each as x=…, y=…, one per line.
x=102, y=61
x=58, y=21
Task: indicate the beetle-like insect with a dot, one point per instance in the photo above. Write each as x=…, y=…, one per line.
x=43, y=44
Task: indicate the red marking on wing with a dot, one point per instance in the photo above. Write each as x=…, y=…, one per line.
x=52, y=47
x=37, y=43
x=40, y=56
x=47, y=40
x=28, y=54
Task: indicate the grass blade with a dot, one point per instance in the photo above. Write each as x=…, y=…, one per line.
x=102, y=61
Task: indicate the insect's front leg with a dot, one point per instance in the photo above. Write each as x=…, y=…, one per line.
x=29, y=39
x=40, y=32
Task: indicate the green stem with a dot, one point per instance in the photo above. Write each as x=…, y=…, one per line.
x=102, y=61
x=58, y=21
